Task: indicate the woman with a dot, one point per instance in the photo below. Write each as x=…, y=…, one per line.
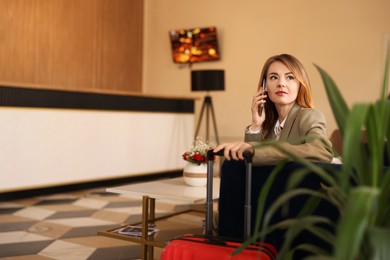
x=283, y=111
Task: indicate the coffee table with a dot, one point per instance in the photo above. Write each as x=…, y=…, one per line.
x=172, y=189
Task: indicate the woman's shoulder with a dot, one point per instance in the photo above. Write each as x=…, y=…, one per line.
x=306, y=113
x=309, y=110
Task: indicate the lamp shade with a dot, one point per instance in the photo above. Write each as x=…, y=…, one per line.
x=207, y=80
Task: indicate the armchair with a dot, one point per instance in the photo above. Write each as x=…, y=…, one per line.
x=231, y=202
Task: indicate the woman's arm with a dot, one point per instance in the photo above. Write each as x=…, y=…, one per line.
x=306, y=138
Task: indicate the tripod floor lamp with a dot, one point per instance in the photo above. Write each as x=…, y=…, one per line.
x=207, y=80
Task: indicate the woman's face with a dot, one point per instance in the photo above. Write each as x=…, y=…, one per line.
x=282, y=86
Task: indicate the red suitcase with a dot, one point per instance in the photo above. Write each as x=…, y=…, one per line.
x=207, y=247
x=192, y=247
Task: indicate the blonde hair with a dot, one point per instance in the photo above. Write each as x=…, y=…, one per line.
x=304, y=98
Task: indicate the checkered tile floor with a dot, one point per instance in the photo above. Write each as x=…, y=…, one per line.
x=65, y=226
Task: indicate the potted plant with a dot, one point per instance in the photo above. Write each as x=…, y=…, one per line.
x=195, y=171
x=359, y=189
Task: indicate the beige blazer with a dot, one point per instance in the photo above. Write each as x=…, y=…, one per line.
x=301, y=123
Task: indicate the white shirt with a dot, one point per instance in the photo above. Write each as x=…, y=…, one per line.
x=278, y=128
x=250, y=131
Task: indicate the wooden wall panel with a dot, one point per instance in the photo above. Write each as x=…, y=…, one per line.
x=87, y=45
x=121, y=48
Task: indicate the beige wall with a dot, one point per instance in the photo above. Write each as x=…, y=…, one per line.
x=345, y=37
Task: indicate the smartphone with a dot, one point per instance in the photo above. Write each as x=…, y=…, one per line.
x=261, y=107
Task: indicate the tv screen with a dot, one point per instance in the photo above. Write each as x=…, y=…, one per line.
x=194, y=45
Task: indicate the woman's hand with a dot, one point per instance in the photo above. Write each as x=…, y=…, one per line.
x=257, y=101
x=234, y=150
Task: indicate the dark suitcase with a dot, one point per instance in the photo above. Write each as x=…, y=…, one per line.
x=204, y=247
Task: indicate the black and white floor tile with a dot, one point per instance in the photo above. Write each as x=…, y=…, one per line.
x=65, y=226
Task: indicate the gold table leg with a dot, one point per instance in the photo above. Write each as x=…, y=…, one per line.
x=145, y=215
x=148, y=216
x=152, y=206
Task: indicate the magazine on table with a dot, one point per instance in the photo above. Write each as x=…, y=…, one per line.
x=136, y=230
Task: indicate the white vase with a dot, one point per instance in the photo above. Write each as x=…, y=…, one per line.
x=195, y=174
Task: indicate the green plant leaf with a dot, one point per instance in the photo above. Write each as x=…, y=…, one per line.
x=322, y=233
x=318, y=258
x=293, y=181
x=336, y=100
x=386, y=126
x=385, y=82
x=383, y=218
x=284, y=224
x=380, y=242
x=318, y=252
x=353, y=151
x=375, y=141
x=295, y=225
x=264, y=193
x=308, y=164
x=354, y=223
x=304, y=223
x=286, y=197
x=336, y=196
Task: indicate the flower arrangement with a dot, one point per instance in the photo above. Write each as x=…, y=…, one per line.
x=198, y=151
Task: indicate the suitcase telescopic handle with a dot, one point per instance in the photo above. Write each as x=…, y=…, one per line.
x=209, y=196
x=210, y=155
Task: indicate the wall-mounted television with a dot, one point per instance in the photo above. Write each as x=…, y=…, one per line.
x=194, y=45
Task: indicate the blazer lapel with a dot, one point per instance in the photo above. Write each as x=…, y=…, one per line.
x=289, y=122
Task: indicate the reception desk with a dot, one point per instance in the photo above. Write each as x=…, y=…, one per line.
x=51, y=137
